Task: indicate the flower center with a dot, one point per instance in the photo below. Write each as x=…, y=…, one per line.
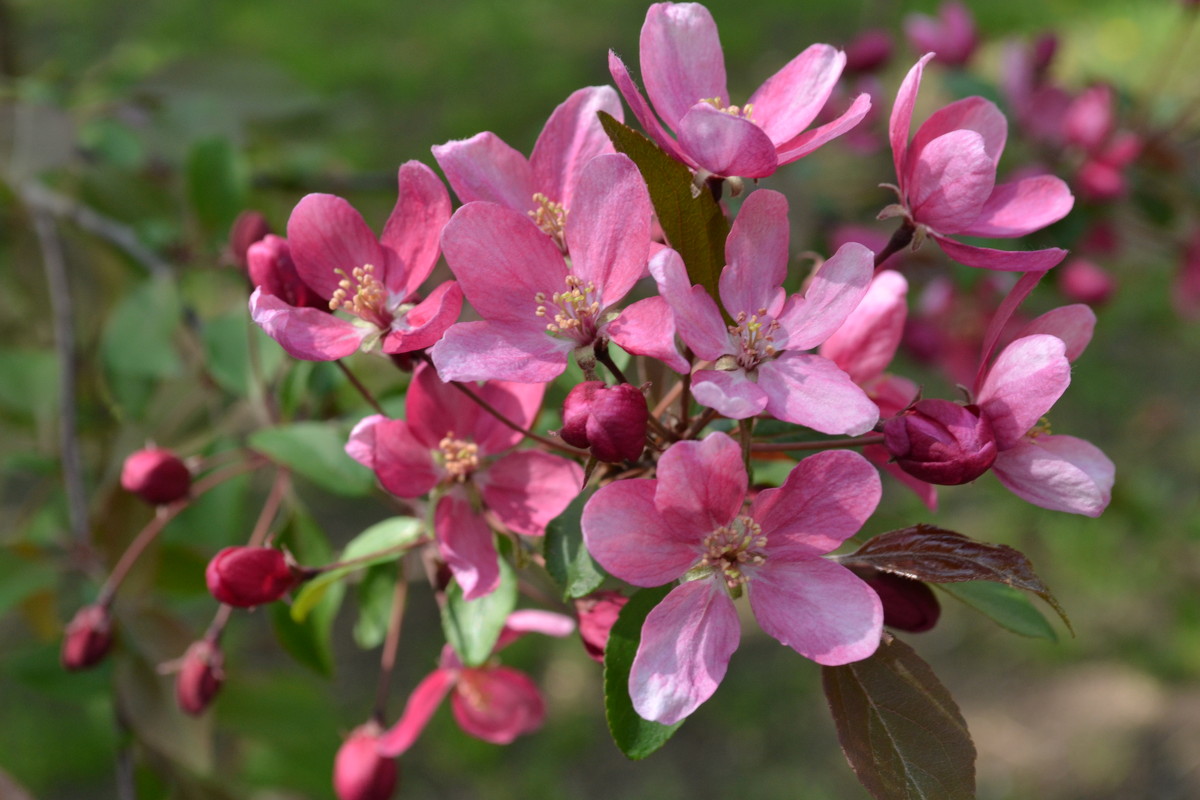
x=745, y=112
x=460, y=457
x=732, y=547
x=362, y=294
x=756, y=333
x=551, y=217
x=574, y=310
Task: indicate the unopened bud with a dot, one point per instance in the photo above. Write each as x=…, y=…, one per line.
x=270, y=266
x=598, y=612
x=611, y=422
x=248, y=228
x=908, y=605
x=250, y=576
x=156, y=475
x=359, y=772
x=941, y=442
x=868, y=51
x=200, y=676
x=88, y=638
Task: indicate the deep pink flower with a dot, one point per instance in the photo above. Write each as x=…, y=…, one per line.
x=683, y=68
x=201, y=673
x=538, y=307
x=598, y=613
x=484, y=167
x=375, y=280
x=946, y=182
x=758, y=364
x=610, y=421
x=869, y=50
x=490, y=702
x=690, y=523
x=270, y=266
x=449, y=444
x=156, y=475
x=941, y=442
x=951, y=34
x=359, y=771
x=908, y=604
x=1085, y=281
x=249, y=227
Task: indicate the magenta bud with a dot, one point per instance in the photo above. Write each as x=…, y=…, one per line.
x=88, y=638
x=868, y=51
x=250, y=576
x=908, y=605
x=270, y=266
x=598, y=612
x=611, y=422
x=156, y=475
x=200, y=676
x=1044, y=49
x=1084, y=281
x=359, y=772
x=248, y=228
x=941, y=442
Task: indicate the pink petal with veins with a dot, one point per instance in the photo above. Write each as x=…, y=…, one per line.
x=1061, y=473
x=306, y=333
x=681, y=58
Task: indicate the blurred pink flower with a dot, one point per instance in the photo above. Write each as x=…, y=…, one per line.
x=951, y=35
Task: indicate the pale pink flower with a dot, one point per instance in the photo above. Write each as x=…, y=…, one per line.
x=690, y=523
x=946, y=182
x=683, y=68
x=374, y=279
x=537, y=306
x=758, y=363
x=449, y=444
x=951, y=34
x=490, y=702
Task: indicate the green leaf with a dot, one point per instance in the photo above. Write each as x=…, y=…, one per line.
x=1006, y=606
x=30, y=382
x=227, y=342
x=472, y=627
x=138, y=338
x=900, y=729
x=691, y=218
x=376, y=593
x=379, y=544
x=216, y=183
x=316, y=451
x=309, y=642
x=20, y=577
x=636, y=737
x=567, y=560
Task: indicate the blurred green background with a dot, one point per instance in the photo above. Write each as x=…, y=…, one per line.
x=155, y=122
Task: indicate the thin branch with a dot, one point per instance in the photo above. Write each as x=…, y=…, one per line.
x=828, y=444
x=387, y=660
x=362, y=389
x=508, y=423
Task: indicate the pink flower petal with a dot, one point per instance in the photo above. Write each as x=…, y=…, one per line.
x=687, y=641
x=1021, y=207
x=518, y=402
x=901, y=119
x=485, y=350
x=306, y=333
x=878, y=455
x=641, y=109
x=419, y=709
x=867, y=341
x=809, y=141
x=527, y=489
x=647, y=328
x=532, y=620
x=325, y=234
x=1061, y=473
x=425, y=322
x=969, y=114
x=361, y=444
x=484, y=167
x=756, y=255
x=837, y=288
x=790, y=100
x=434, y=409
x=1004, y=260
x=809, y=390
x=697, y=317
x=1073, y=324
x=818, y=608
x=1025, y=381
x=681, y=59
x=629, y=538
x=608, y=229
x=465, y=542
x=726, y=145
x=730, y=392
x=701, y=484
x=497, y=704
x=403, y=463
x=571, y=138
x=415, y=226
x=824, y=501
x=949, y=181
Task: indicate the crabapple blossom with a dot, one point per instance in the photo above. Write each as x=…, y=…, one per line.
x=683, y=69
x=269, y=265
x=359, y=771
x=690, y=523
x=611, y=422
x=941, y=442
x=951, y=34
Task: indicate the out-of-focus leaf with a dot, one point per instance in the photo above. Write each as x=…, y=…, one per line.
x=28, y=381
x=900, y=729
x=138, y=340
x=110, y=140
x=227, y=341
x=310, y=641
x=33, y=139
x=931, y=554
x=378, y=544
x=567, y=560
x=1006, y=606
x=216, y=184
x=472, y=627
x=20, y=577
x=691, y=219
x=316, y=451
x=636, y=737
x=375, y=593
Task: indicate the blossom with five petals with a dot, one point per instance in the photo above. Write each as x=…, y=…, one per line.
x=683, y=68
x=690, y=523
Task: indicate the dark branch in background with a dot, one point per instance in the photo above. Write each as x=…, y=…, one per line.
x=9, y=67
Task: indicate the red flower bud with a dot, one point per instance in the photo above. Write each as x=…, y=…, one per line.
x=359, y=772
x=611, y=422
x=200, y=676
x=88, y=638
x=908, y=605
x=868, y=51
x=270, y=265
x=941, y=442
x=597, y=614
x=250, y=576
x=248, y=228
x=156, y=475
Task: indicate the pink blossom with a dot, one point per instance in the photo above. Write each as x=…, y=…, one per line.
x=270, y=267
x=359, y=771
x=156, y=475
x=683, y=68
x=946, y=182
x=449, y=445
x=689, y=523
x=374, y=279
x=537, y=307
x=490, y=702
x=484, y=167
x=951, y=34
x=1085, y=281
x=758, y=363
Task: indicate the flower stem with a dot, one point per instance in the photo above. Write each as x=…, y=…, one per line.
x=357, y=384
x=828, y=444
x=508, y=423
x=387, y=660
x=900, y=239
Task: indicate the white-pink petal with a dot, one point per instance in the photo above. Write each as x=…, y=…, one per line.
x=419, y=709
x=629, y=538
x=793, y=97
x=1003, y=260
x=756, y=255
x=701, y=484
x=1026, y=379
x=1021, y=207
x=697, y=317
x=609, y=227
x=571, y=138
x=729, y=392
x=485, y=167
x=647, y=328
x=1073, y=324
x=1061, y=473
x=836, y=289
x=809, y=141
x=681, y=58
x=901, y=119
x=809, y=390
x=325, y=233
x=725, y=144
x=867, y=341
x=414, y=228
x=486, y=350
x=949, y=181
